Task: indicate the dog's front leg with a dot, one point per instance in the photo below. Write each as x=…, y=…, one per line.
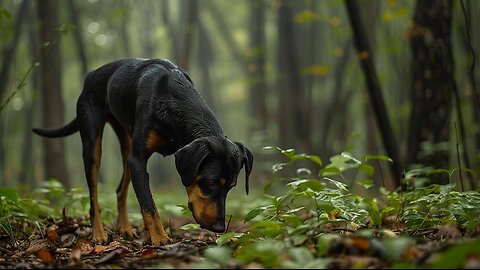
x=137, y=162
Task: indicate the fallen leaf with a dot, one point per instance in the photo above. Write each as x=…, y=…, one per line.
x=37, y=245
x=45, y=255
x=52, y=235
x=75, y=255
x=67, y=239
x=84, y=246
x=449, y=231
x=114, y=255
x=101, y=249
x=147, y=253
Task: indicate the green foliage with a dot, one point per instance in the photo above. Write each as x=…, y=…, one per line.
x=293, y=229
x=23, y=214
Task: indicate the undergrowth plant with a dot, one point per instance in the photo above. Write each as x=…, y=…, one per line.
x=297, y=226
x=20, y=214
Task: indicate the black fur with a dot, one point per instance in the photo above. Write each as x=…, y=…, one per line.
x=137, y=97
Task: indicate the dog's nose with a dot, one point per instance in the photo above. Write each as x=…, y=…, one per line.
x=218, y=227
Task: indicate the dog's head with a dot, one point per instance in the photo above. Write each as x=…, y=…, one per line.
x=209, y=168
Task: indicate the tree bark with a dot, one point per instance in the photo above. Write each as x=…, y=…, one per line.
x=432, y=84
x=374, y=89
x=190, y=24
x=205, y=58
x=8, y=54
x=256, y=67
x=289, y=84
x=77, y=36
x=51, y=74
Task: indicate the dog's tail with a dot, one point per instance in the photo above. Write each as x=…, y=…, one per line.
x=64, y=131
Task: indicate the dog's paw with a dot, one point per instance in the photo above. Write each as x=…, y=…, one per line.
x=100, y=238
x=160, y=240
x=99, y=235
x=127, y=233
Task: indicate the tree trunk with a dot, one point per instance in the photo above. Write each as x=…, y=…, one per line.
x=256, y=67
x=205, y=58
x=433, y=81
x=51, y=74
x=374, y=89
x=77, y=35
x=146, y=29
x=8, y=54
x=190, y=25
x=288, y=111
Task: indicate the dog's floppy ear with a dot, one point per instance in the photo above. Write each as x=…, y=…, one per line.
x=188, y=160
x=247, y=160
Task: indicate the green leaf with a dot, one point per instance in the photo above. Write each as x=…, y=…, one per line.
x=9, y=193
x=315, y=159
x=373, y=157
x=5, y=13
x=190, y=226
x=366, y=183
x=329, y=171
x=253, y=214
x=456, y=257
x=218, y=254
x=227, y=236
x=324, y=242
x=301, y=254
x=279, y=166
x=367, y=168
x=341, y=186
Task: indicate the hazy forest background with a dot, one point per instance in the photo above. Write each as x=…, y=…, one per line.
x=276, y=73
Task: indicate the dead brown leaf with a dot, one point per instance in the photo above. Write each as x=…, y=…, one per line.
x=37, y=245
x=101, y=249
x=44, y=255
x=112, y=256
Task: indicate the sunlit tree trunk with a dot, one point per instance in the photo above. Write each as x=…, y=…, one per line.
x=433, y=81
x=51, y=74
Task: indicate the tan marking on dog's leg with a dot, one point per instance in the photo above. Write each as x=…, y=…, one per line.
x=156, y=233
x=123, y=223
x=97, y=230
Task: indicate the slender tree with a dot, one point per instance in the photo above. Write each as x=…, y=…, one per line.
x=256, y=66
x=51, y=74
x=432, y=84
x=7, y=56
x=291, y=93
x=373, y=87
x=78, y=37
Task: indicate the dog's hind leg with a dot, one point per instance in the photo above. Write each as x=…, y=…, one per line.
x=91, y=121
x=126, y=147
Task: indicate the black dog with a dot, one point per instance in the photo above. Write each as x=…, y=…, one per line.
x=153, y=106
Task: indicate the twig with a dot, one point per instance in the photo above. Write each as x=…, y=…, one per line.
x=228, y=224
x=19, y=86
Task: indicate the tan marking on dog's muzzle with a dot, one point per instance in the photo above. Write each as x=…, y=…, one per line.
x=204, y=210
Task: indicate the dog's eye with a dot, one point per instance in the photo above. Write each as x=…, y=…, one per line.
x=210, y=182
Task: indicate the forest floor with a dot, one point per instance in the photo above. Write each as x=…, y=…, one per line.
x=65, y=245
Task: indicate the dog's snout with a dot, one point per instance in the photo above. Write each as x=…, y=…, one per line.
x=218, y=227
